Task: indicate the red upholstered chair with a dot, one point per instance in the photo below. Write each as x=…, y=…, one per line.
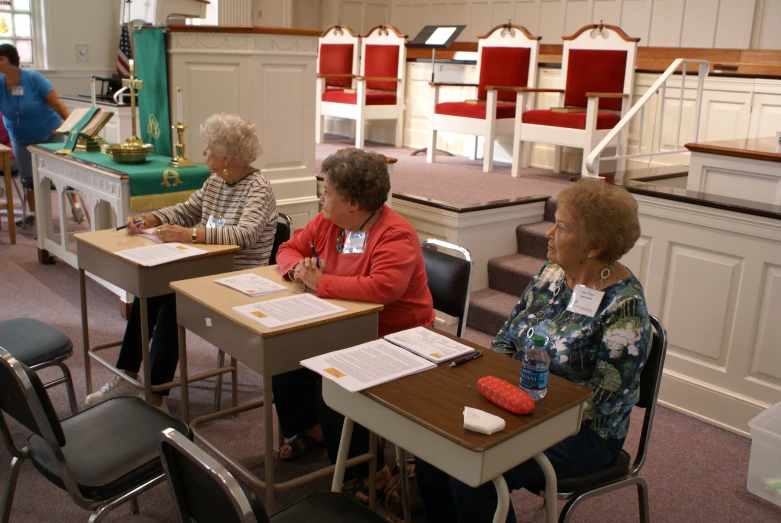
x=337, y=67
x=598, y=73
x=380, y=93
x=507, y=57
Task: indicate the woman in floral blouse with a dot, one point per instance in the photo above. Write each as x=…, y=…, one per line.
x=596, y=224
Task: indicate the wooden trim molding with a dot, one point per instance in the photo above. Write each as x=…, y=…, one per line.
x=243, y=29
x=384, y=27
x=505, y=27
x=762, y=149
x=338, y=28
x=620, y=32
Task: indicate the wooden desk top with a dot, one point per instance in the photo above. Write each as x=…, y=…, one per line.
x=436, y=398
x=763, y=149
x=111, y=241
x=221, y=299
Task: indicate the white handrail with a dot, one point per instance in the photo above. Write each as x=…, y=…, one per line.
x=592, y=162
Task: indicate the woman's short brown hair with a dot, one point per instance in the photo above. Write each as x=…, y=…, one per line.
x=360, y=177
x=605, y=214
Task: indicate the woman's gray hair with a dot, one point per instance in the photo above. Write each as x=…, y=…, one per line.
x=233, y=136
x=605, y=214
x=360, y=177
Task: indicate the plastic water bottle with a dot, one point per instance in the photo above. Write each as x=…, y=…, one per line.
x=534, y=373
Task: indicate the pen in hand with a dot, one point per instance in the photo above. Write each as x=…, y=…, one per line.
x=137, y=222
x=469, y=357
x=314, y=253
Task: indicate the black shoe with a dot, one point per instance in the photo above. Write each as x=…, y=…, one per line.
x=28, y=220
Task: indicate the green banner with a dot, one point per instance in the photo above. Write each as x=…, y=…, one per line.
x=73, y=135
x=153, y=117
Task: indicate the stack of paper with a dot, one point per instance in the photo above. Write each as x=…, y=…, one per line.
x=251, y=284
x=158, y=254
x=291, y=309
x=429, y=344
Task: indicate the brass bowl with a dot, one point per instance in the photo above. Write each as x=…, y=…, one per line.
x=130, y=152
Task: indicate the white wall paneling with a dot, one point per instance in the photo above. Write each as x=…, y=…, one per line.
x=714, y=279
x=235, y=12
x=765, y=34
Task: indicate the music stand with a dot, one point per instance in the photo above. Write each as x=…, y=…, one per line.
x=435, y=37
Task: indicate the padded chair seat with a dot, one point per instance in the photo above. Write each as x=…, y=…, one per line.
x=33, y=342
x=465, y=110
x=109, y=448
x=569, y=120
x=341, y=97
x=327, y=507
x=618, y=469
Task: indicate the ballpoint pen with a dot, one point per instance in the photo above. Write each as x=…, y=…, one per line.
x=469, y=357
x=137, y=222
x=314, y=253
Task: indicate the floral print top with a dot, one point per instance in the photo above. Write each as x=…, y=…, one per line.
x=605, y=353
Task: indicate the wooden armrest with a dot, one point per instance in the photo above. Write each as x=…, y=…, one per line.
x=725, y=67
x=606, y=95
x=376, y=79
x=445, y=84
x=500, y=88
x=535, y=90
x=329, y=75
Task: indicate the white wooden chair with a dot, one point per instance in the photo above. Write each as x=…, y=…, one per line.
x=507, y=58
x=380, y=93
x=598, y=73
x=337, y=67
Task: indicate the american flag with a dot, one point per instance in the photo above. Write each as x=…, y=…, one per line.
x=124, y=55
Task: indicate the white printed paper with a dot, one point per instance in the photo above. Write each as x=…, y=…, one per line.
x=367, y=365
x=429, y=344
x=152, y=255
x=251, y=284
x=291, y=309
x=440, y=35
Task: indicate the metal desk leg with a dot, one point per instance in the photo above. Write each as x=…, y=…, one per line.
x=145, y=351
x=268, y=429
x=183, y=374
x=373, y=471
x=9, y=196
x=551, y=486
x=341, y=457
x=85, y=329
x=503, y=499
x=401, y=462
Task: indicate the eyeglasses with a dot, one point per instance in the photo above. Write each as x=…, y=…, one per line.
x=340, y=241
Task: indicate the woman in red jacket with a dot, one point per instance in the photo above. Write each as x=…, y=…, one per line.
x=365, y=252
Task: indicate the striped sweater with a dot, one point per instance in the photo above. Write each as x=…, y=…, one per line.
x=248, y=207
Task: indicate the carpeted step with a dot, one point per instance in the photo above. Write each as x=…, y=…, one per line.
x=512, y=273
x=531, y=239
x=489, y=309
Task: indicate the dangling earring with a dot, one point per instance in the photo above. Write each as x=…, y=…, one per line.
x=225, y=171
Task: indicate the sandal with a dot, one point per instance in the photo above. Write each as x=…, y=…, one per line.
x=299, y=450
x=359, y=486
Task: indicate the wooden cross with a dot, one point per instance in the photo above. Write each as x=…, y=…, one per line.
x=133, y=84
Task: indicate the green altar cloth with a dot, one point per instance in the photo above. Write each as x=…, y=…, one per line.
x=153, y=184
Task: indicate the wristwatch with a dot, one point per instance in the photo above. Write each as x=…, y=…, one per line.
x=194, y=235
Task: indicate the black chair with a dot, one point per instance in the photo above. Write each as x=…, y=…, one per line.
x=102, y=457
x=206, y=492
x=38, y=346
x=283, y=234
x=448, y=279
x=622, y=472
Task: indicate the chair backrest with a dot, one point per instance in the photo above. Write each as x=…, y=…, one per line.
x=507, y=56
x=448, y=279
x=338, y=54
x=600, y=59
x=384, y=55
x=650, y=382
x=203, y=489
x=283, y=234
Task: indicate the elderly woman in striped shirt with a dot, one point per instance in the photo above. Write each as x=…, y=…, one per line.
x=235, y=206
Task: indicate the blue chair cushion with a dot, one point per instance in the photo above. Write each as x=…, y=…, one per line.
x=109, y=448
x=32, y=342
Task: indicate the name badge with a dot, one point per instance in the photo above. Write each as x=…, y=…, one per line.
x=354, y=243
x=17, y=91
x=585, y=301
x=215, y=221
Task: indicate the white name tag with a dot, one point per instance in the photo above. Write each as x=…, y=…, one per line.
x=17, y=91
x=585, y=301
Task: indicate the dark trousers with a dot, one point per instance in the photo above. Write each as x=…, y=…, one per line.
x=446, y=499
x=298, y=398
x=164, y=347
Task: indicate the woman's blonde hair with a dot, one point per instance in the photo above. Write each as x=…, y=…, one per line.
x=231, y=135
x=606, y=217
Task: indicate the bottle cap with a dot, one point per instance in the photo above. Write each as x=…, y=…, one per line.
x=538, y=341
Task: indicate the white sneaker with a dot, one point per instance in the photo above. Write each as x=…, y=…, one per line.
x=116, y=387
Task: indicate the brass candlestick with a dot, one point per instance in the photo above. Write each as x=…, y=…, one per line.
x=179, y=159
x=133, y=150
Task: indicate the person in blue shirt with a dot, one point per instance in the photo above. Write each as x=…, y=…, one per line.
x=31, y=110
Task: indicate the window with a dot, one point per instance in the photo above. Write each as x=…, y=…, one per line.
x=16, y=28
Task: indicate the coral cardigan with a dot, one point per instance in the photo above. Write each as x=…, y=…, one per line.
x=390, y=271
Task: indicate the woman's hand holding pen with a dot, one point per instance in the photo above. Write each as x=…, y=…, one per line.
x=308, y=273
x=136, y=224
